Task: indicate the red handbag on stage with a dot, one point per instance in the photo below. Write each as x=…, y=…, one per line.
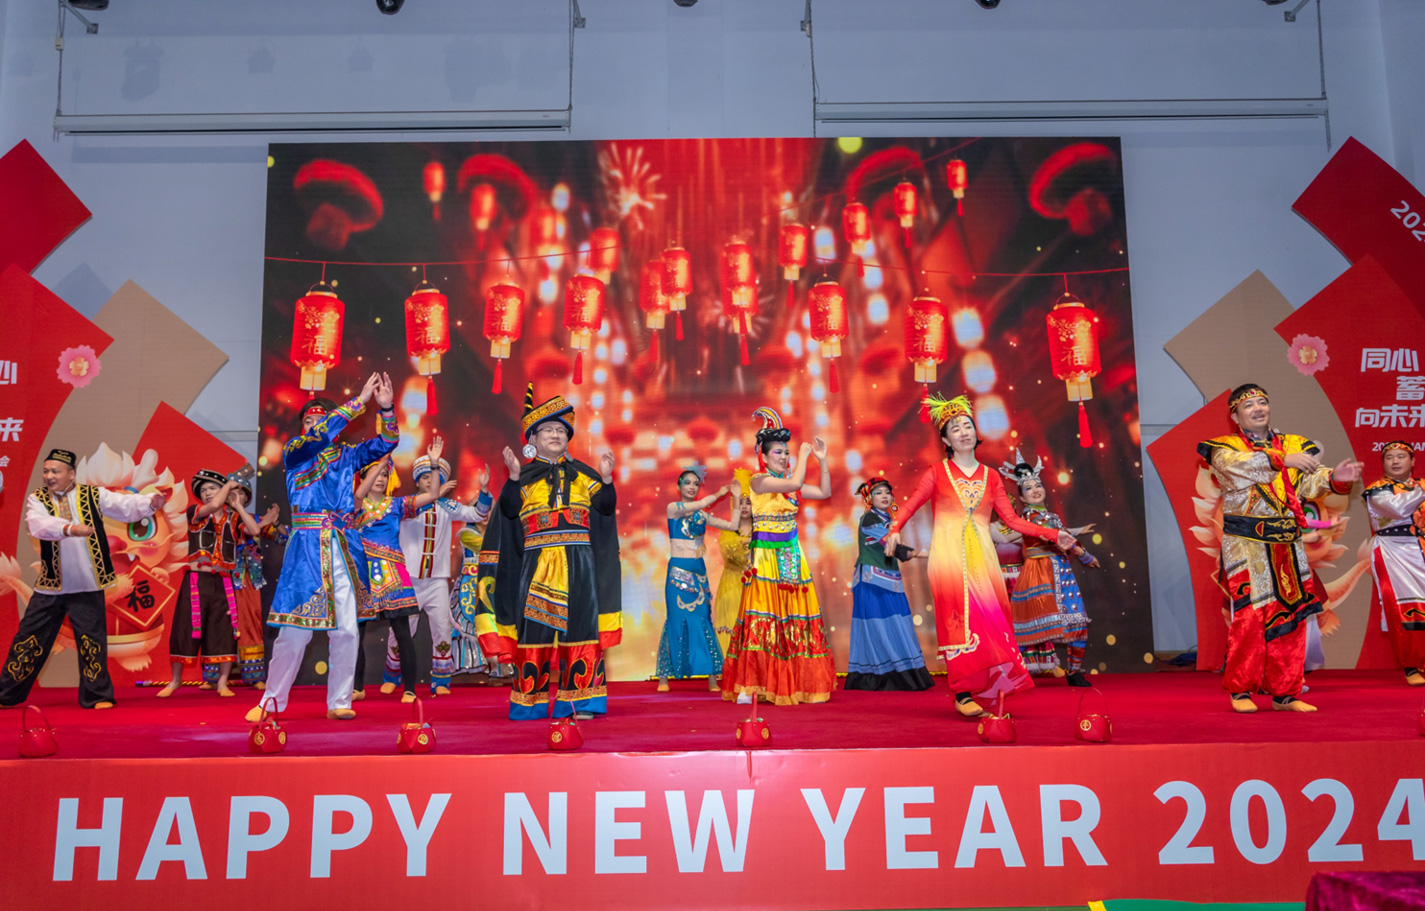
x=36, y=742
x=998, y=726
x=416, y=736
x=564, y=734
x=1094, y=727
x=267, y=736
x=754, y=733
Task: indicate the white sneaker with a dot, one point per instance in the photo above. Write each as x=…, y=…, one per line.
x=744, y=698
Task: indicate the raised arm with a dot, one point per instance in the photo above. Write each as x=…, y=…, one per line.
x=207, y=509
x=924, y=490
x=129, y=507
x=765, y=483
x=306, y=447
x=389, y=435
x=425, y=498
x=604, y=499
x=679, y=509
x=46, y=527
x=249, y=524
x=822, y=489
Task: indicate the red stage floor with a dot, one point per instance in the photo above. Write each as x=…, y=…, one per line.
x=1160, y=708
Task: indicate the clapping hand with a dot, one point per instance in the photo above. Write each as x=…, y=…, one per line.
x=157, y=500
x=385, y=392
x=512, y=463
x=818, y=448
x=436, y=447
x=367, y=391
x=484, y=477
x=446, y=488
x=606, y=467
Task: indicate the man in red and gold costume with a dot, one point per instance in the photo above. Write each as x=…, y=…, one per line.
x=1264, y=476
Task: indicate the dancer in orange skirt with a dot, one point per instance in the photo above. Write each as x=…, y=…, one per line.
x=966, y=585
x=779, y=650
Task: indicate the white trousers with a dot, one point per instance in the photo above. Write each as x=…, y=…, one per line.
x=433, y=596
x=292, y=642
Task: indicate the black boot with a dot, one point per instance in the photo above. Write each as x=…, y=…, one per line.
x=1077, y=679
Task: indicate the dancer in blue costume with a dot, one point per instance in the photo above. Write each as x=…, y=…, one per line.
x=885, y=651
x=392, y=597
x=689, y=646
x=323, y=582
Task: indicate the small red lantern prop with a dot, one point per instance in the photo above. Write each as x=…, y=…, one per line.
x=793, y=251
x=827, y=302
x=434, y=178
x=504, y=321
x=427, y=335
x=958, y=177
x=484, y=206
x=677, y=282
x=583, y=316
x=927, y=340
x=1073, y=353
x=652, y=301
x=739, y=289
x=316, y=335
x=905, y=206
x=856, y=227
x=603, y=253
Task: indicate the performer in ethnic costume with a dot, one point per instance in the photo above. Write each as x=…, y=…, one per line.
x=425, y=540
x=779, y=650
x=966, y=585
x=205, y=619
x=688, y=646
x=1396, y=504
x=392, y=597
x=323, y=584
x=248, y=581
x=735, y=547
x=469, y=658
x=1264, y=475
x=885, y=651
x=557, y=590
x=1046, y=605
x=67, y=520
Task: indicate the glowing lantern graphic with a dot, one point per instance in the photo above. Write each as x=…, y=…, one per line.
x=434, y=179
x=905, y=206
x=856, y=228
x=652, y=301
x=603, y=253
x=969, y=330
x=978, y=371
x=793, y=248
x=957, y=176
x=583, y=316
x=316, y=335
x=829, y=322
x=677, y=282
x=427, y=335
x=927, y=342
x=1073, y=353
x=484, y=206
x=504, y=321
x=543, y=227
x=739, y=290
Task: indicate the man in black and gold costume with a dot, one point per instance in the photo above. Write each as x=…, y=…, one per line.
x=68, y=521
x=556, y=586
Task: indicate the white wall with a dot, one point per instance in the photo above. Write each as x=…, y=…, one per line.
x=1208, y=201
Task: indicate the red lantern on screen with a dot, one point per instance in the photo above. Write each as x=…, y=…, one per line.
x=543, y=227
x=504, y=321
x=427, y=335
x=652, y=301
x=583, y=316
x=793, y=253
x=677, y=282
x=827, y=303
x=1073, y=353
x=603, y=253
x=316, y=335
x=434, y=179
x=905, y=206
x=739, y=289
x=856, y=228
x=927, y=340
x=484, y=206
x=957, y=176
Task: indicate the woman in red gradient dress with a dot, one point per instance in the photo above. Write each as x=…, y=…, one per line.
x=976, y=639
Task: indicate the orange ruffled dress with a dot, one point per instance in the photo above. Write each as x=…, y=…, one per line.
x=976, y=639
x=779, y=648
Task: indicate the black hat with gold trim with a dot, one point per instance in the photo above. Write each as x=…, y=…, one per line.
x=205, y=476
x=63, y=455
x=555, y=409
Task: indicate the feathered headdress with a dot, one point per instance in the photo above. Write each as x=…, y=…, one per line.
x=696, y=468
x=942, y=410
x=772, y=431
x=1019, y=469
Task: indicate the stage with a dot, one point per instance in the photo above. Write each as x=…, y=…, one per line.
x=873, y=801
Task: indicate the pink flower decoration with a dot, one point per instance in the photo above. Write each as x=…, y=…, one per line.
x=1307, y=354
x=78, y=366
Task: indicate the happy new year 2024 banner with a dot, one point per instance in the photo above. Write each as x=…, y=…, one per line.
x=996, y=229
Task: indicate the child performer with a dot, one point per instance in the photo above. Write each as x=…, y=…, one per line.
x=1046, y=605
x=885, y=651
x=248, y=581
x=392, y=598
x=1396, y=504
x=469, y=659
x=735, y=551
x=779, y=649
x=205, y=621
x=689, y=646
x=425, y=540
